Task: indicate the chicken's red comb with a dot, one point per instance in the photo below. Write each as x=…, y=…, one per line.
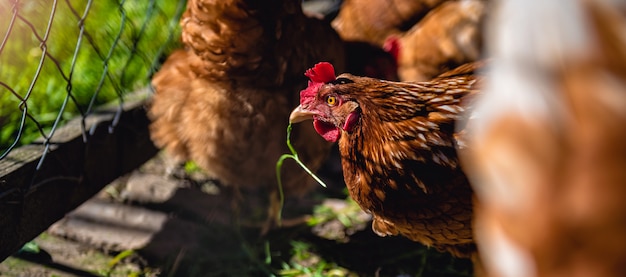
x=322, y=72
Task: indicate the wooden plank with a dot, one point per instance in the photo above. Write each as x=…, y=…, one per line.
x=112, y=226
x=72, y=171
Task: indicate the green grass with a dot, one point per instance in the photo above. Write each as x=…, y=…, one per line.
x=348, y=215
x=119, y=49
x=305, y=262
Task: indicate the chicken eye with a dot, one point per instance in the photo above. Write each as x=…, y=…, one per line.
x=331, y=100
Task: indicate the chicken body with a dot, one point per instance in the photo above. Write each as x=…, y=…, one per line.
x=223, y=100
x=546, y=148
x=426, y=37
x=397, y=146
x=448, y=36
x=372, y=21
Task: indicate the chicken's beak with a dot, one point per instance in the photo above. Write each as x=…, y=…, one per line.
x=300, y=114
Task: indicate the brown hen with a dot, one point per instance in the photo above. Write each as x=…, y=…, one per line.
x=427, y=37
x=372, y=21
x=448, y=36
x=546, y=147
x=224, y=99
x=398, y=150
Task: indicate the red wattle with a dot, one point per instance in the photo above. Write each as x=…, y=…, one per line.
x=351, y=121
x=328, y=131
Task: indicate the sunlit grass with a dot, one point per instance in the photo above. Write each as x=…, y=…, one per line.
x=305, y=262
x=349, y=215
x=119, y=49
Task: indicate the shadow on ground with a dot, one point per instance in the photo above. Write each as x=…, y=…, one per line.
x=188, y=226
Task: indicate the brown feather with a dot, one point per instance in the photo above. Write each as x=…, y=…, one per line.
x=400, y=163
x=223, y=101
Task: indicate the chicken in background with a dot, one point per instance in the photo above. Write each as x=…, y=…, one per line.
x=448, y=36
x=426, y=38
x=362, y=58
x=372, y=21
x=223, y=101
x=546, y=152
x=398, y=150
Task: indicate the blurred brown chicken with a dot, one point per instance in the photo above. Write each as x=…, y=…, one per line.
x=372, y=21
x=427, y=37
x=397, y=146
x=546, y=145
x=223, y=101
x=448, y=36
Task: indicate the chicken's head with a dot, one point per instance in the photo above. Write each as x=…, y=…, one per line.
x=331, y=110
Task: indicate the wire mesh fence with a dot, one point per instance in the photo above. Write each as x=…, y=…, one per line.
x=62, y=60
x=59, y=59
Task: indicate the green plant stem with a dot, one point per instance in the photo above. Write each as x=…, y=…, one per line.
x=294, y=156
x=279, y=165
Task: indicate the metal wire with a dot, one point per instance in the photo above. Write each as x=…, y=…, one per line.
x=41, y=65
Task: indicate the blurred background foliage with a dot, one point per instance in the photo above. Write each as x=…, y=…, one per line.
x=121, y=45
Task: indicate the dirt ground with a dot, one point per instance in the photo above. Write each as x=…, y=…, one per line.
x=159, y=222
